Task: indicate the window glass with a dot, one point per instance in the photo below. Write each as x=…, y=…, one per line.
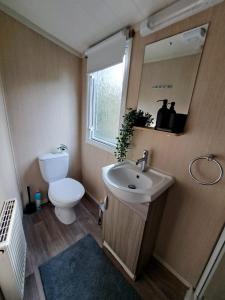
x=105, y=108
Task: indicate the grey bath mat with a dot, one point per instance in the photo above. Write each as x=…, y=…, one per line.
x=83, y=272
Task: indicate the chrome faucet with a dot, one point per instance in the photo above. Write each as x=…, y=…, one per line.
x=143, y=161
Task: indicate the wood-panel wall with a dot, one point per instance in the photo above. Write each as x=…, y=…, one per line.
x=194, y=214
x=43, y=91
x=8, y=181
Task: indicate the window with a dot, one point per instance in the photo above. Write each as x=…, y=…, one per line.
x=106, y=97
x=105, y=103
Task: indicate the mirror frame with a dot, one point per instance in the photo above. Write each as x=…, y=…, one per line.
x=155, y=40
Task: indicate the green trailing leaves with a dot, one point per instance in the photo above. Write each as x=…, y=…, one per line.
x=132, y=118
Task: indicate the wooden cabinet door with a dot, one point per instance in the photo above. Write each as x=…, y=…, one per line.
x=123, y=231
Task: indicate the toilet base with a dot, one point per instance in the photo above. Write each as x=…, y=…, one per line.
x=65, y=215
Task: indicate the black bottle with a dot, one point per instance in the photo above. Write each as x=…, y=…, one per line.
x=162, y=116
x=172, y=116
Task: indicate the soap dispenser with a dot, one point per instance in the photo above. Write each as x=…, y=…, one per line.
x=172, y=116
x=162, y=116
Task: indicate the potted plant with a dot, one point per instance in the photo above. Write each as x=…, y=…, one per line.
x=132, y=118
x=143, y=119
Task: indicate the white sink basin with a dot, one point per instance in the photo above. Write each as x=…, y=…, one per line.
x=128, y=183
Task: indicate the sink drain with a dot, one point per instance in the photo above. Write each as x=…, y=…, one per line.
x=132, y=186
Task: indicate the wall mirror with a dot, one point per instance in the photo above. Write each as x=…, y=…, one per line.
x=169, y=73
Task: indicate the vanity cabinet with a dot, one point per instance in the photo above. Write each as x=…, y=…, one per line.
x=130, y=231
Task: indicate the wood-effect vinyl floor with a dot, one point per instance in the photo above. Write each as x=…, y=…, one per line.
x=46, y=237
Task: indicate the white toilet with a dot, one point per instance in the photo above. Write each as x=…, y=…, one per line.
x=63, y=192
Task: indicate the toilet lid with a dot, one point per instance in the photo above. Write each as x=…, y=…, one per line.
x=66, y=190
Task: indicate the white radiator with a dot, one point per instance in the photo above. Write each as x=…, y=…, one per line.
x=12, y=251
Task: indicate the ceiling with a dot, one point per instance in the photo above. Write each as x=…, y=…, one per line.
x=81, y=23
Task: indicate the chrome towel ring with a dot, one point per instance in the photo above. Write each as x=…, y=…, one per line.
x=210, y=157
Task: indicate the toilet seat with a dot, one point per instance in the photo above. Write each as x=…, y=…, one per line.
x=65, y=191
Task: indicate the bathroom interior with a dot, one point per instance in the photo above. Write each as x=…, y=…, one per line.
x=112, y=125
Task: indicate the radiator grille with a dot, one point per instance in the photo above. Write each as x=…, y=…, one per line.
x=12, y=251
x=5, y=220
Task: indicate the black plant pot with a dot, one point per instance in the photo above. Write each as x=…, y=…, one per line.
x=141, y=121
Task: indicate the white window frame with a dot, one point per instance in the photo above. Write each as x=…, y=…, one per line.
x=89, y=117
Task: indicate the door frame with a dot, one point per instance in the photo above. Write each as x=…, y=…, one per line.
x=211, y=266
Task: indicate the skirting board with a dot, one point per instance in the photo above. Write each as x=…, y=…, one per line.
x=171, y=270
x=131, y=275
x=90, y=197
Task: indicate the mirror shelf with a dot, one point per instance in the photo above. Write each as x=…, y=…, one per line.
x=157, y=131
